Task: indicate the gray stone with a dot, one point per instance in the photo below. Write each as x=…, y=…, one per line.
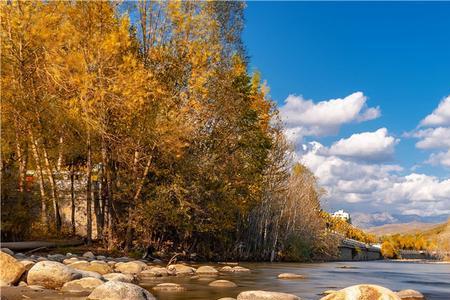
x=116, y=290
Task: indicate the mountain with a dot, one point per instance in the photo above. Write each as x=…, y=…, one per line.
x=368, y=220
x=402, y=228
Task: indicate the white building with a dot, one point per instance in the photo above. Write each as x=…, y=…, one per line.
x=342, y=215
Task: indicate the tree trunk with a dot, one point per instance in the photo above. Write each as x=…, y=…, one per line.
x=54, y=190
x=89, y=191
x=72, y=198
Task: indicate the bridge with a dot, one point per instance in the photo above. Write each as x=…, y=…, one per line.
x=355, y=250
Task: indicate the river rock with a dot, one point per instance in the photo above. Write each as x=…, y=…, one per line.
x=7, y=251
x=89, y=254
x=410, y=295
x=222, y=283
x=28, y=264
x=101, y=257
x=116, y=290
x=362, y=292
x=51, y=274
x=11, y=269
x=169, y=287
x=94, y=266
x=71, y=260
x=155, y=272
x=119, y=277
x=179, y=269
x=227, y=298
x=86, y=274
x=290, y=276
x=263, y=295
x=206, y=270
x=131, y=267
x=234, y=269
x=81, y=285
x=56, y=257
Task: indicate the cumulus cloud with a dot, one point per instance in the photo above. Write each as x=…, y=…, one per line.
x=374, y=146
x=440, y=158
x=373, y=186
x=440, y=116
x=306, y=118
x=432, y=138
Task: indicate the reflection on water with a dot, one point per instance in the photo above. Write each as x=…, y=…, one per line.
x=433, y=280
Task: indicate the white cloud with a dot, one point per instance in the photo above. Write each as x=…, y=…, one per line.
x=373, y=187
x=306, y=118
x=432, y=138
x=440, y=158
x=440, y=116
x=377, y=145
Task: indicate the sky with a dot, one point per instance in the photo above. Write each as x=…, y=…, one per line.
x=364, y=91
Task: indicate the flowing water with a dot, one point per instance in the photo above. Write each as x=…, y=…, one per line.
x=432, y=279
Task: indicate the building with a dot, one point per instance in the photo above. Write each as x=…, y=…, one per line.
x=341, y=214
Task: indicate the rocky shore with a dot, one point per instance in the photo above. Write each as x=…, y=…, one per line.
x=96, y=277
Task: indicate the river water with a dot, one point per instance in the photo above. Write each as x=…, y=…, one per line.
x=432, y=279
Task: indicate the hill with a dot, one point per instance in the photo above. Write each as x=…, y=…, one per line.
x=402, y=228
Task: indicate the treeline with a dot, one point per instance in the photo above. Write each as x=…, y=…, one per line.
x=348, y=230
x=392, y=244
x=179, y=146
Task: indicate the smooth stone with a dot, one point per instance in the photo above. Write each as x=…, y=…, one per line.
x=56, y=257
x=7, y=251
x=71, y=260
x=86, y=274
x=155, y=272
x=11, y=269
x=28, y=264
x=362, y=292
x=157, y=261
x=169, y=287
x=94, y=266
x=111, y=263
x=101, y=257
x=410, y=295
x=222, y=283
x=89, y=254
x=290, y=276
x=206, y=270
x=81, y=285
x=131, y=267
x=116, y=290
x=179, y=269
x=22, y=283
x=51, y=274
x=119, y=277
x=263, y=295
x=234, y=269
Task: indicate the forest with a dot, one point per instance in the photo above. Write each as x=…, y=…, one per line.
x=148, y=113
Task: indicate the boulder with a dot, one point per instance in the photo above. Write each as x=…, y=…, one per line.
x=263, y=295
x=28, y=264
x=234, y=269
x=94, y=266
x=131, y=267
x=290, y=276
x=222, y=283
x=89, y=254
x=4, y=284
x=101, y=257
x=206, y=270
x=69, y=261
x=116, y=290
x=119, y=277
x=11, y=269
x=22, y=283
x=51, y=274
x=56, y=257
x=154, y=272
x=7, y=251
x=362, y=292
x=179, y=269
x=226, y=269
x=169, y=287
x=410, y=295
x=86, y=274
x=81, y=285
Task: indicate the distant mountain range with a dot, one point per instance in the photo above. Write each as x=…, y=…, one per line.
x=370, y=220
x=402, y=228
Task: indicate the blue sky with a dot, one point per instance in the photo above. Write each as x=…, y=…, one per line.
x=396, y=54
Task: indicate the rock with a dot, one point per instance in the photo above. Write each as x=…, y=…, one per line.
x=410, y=295
x=226, y=269
x=155, y=272
x=263, y=295
x=101, y=257
x=22, y=283
x=111, y=263
x=69, y=261
x=362, y=292
x=131, y=267
x=20, y=256
x=157, y=261
x=222, y=283
x=86, y=274
x=119, y=277
x=27, y=264
x=56, y=257
x=206, y=270
x=290, y=276
x=116, y=290
x=123, y=259
x=40, y=258
x=36, y=287
x=7, y=251
x=94, y=266
x=81, y=285
x=234, y=269
x=227, y=298
x=179, y=269
x=4, y=283
x=169, y=287
x=327, y=292
x=11, y=269
x=89, y=254
x=51, y=274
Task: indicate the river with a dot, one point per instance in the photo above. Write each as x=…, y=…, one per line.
x=432, y=279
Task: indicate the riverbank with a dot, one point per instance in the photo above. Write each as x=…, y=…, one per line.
x=195, y=280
